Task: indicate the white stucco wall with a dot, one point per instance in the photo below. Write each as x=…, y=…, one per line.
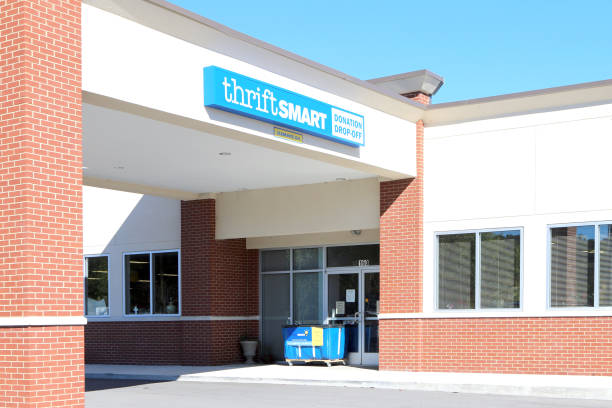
x=307, y=209
x=527, y=171
x=116, y=222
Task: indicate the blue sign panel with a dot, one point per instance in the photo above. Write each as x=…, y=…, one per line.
x=246, y=96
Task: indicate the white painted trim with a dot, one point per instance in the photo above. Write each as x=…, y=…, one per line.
x=170, y=318
x=139, y=188
x=497, y=314
x=43, y=321
x=209, y=318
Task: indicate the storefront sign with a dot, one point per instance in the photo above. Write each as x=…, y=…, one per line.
x=246, y=96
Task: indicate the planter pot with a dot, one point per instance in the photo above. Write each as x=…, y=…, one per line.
x=249, y=349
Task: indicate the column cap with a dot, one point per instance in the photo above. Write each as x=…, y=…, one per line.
x=422, y=81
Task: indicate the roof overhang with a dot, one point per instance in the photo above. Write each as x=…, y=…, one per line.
x=170, y=19
x=134, y=148
x=564, y=97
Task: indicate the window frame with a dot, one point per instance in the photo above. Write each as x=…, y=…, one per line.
x=151, y=299
x=477, y=275
x=108, y=286
x=596, y=225
x=324, y=270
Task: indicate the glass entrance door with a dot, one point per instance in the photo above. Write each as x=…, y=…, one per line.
x=353, y=301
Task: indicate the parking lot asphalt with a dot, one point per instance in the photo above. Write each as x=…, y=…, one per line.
x=173, y=394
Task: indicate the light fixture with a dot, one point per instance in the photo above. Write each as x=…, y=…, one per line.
x=119, y=167
x=355, y=232
x=225, y=153
x=341, y=179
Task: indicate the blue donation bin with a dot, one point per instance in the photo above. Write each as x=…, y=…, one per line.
x=325, y=343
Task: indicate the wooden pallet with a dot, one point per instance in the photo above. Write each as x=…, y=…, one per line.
x=328, y=363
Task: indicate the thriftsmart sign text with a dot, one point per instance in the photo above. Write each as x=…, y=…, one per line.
x=246, y=96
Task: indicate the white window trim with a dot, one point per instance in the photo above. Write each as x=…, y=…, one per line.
x=595, y=306
x=477, y=309
x=108, y=286
x=151, y=300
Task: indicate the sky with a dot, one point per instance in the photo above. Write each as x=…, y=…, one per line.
x=480, y=48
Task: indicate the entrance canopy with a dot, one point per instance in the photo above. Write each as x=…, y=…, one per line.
x=130, y=149
x=155, y=120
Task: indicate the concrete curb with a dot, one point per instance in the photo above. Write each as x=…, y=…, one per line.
x=499, y=389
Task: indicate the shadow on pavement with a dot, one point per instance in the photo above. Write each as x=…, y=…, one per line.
x=99, y=385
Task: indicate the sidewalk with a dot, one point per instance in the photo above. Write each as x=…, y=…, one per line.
x=584, y=387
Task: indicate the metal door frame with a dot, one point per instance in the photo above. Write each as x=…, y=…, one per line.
x=360, y=357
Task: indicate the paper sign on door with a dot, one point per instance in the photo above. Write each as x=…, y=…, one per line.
x=350, y=295
x=340, y=308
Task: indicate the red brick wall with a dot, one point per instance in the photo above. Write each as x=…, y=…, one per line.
x=40, y=201
x=401, y=240
x=553, y=346
x=218, y=278
x=174, y=342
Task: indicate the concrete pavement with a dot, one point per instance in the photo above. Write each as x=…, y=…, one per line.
x=582, y=387
x=127, y=394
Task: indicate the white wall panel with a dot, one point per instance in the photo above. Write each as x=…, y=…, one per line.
x=528, y=171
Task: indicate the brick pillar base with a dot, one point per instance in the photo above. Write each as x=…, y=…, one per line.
x=41, y=366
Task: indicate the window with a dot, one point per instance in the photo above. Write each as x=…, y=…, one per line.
x=581, y=265
x=479, y=270
x=296, y=285
x=96, y=285
x=152, y=278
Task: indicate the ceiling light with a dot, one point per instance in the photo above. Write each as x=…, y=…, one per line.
x=341, y=179
x=225, y=153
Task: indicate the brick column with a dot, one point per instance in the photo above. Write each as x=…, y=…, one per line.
x=41, y=276
x=401, y=256
x=401, y=240
x=220, y=279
